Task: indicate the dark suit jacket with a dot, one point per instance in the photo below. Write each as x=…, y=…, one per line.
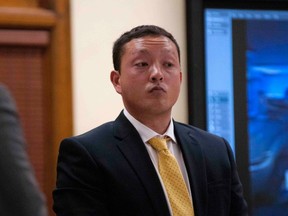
x=107, y=171
x=19, y=191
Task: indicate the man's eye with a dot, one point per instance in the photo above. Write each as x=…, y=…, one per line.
x=168, y=64
x=141, y=64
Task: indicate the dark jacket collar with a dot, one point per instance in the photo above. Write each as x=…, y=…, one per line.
x=133, y=149
x=195, y=165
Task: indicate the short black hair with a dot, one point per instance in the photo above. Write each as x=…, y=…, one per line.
x=138, y=32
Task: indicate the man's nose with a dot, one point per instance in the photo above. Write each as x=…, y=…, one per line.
x=156, y=74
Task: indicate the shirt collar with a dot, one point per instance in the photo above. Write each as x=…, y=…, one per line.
x=147, y=133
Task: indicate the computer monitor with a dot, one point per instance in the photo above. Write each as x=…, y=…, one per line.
x=245, y=86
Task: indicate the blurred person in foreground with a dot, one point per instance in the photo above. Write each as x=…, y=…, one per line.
x=19, y=191
x=117, y=169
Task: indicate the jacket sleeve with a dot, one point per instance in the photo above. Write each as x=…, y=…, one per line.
x=80, y=187
x=238, y=203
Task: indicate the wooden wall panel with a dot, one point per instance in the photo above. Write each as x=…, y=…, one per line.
x=19, y=3
x=21, y=68
x=24, y=37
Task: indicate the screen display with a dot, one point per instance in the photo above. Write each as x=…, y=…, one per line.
x=250, y=48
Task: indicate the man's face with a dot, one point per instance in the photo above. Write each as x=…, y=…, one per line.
x=150, y=76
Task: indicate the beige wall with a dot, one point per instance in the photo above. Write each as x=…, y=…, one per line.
x=95, y=26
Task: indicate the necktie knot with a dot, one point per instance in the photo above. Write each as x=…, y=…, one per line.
x=158, y=143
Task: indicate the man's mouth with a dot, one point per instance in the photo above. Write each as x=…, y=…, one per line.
x=157, y=88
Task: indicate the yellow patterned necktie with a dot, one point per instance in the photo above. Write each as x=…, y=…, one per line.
x=172, y=178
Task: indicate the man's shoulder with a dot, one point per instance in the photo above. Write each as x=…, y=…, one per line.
x=94, y=140
x=189, y=128
x=98, y=132
x=186, y=126
x=196, y=132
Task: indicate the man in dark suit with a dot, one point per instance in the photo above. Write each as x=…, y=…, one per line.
x=113, y=170
x=19, y=191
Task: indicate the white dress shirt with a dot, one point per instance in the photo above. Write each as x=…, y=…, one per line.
x=146, y=134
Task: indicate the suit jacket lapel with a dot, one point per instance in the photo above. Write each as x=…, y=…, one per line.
x=195, y=165
x=134, y=151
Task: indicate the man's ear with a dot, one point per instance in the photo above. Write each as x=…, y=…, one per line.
x=115, y=79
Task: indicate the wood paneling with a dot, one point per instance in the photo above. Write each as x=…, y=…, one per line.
x=21, y=68
x=14, y=17
x=19, y=3
x=24, y=37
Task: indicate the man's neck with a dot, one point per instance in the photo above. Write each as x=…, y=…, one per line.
x=159, y=126
x=158, y=123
